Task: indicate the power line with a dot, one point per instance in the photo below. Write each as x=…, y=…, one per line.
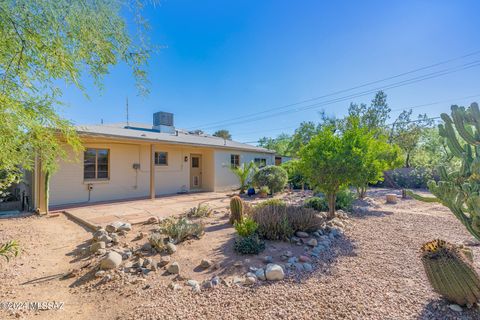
x=349, y=89
x=360, y=94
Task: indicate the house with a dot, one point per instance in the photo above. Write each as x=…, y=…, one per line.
x=126, y=161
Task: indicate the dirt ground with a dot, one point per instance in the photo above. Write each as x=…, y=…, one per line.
x=372, y=272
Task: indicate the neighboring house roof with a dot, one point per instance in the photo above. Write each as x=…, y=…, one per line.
x=145, y=132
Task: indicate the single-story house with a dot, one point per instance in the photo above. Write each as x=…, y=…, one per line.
x=126, y=161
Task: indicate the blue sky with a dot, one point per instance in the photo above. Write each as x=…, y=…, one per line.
x=228, y=59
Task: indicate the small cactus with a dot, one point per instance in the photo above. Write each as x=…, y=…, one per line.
x=236, y=209
x=450, y=272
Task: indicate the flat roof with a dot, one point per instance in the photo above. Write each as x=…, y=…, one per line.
x=140, y=131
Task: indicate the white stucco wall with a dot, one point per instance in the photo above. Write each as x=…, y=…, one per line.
x=225, y=180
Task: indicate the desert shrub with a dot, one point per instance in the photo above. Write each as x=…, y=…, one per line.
x=9, y=249
x=295, y=176
x=272, y=222
x=344, y=201
x=274, y=177
x=158, y=241
x=408, y=178
x=246, y=227
x=249, y=245
x=304, y=219
x=271, y=202
x=181, y=229
x=201, y=211
x=264, y=190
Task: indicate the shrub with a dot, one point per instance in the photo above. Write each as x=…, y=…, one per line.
x=249, y=245
x=274, y=177
x=279, y=221
x=411, y=178
x=201, y=211
x=246, y=227
x=271, y=202
x=295, y=176
x=264, y=190
x=181, y=229
x=158, y=241
x=236, y=209
x=344, y=201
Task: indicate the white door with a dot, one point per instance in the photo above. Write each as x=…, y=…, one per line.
x=195, y=171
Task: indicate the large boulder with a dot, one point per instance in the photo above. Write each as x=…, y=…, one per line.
x=111, y=261
x=274, y=272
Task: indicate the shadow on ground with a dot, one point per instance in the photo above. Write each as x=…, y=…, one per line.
x=438, y=309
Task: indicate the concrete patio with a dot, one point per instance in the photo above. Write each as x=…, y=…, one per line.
x=139, y=211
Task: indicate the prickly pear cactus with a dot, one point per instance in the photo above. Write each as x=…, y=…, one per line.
x=450, y=272
x=236, y=209
x=460, y=190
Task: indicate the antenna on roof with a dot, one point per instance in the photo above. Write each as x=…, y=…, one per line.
x=101, y=121
x=128, y=122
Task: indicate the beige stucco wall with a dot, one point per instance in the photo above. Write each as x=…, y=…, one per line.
x=68, y=186
x=225, y=180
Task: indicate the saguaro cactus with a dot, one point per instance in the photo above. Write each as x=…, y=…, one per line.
x=450, y=272
x=460, y=190
x=236, y=209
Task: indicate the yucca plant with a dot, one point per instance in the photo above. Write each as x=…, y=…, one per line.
x=450, y=272
x=9, y=249
x=243, y=174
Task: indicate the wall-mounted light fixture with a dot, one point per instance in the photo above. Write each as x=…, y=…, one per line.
x=185, y=159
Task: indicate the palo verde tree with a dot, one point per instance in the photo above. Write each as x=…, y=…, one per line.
x=225, y=134
x=46, y=42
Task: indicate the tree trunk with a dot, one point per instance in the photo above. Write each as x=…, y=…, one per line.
x=331, y=205
x=407, y=160
x=47, y=190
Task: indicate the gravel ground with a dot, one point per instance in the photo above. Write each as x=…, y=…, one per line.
x=374, y=272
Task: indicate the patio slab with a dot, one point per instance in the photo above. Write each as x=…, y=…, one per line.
x=139, y=211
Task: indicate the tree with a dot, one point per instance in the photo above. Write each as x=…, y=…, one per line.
x=375, y=116
x=225, y=134
x=406, y=133
x=42, y=42
x=243, y=174
x=279, y=144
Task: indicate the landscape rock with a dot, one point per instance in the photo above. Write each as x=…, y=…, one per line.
x=192, y=283
x=174, y=268
x=100, y=274
x=152, y=220
x=292, y=260
x=147, y=262
x=171, y=248
x=163, y=261
x=99, y=233
x=125, y=226
x=274, y=272
x=216, y=281
x=111, y=261
x=260, y=274
x=250, y=279
x=455, y=307
x=101, y=252
x=302, y=234
x=174, y=286
x=206, y=263
x=105, y=238
x=304, y=259
x=268, y=259
x=312, y=242
x=94, y=247
x=307, y=267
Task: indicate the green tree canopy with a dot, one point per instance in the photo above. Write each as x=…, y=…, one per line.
x=42, y=42
x=225, y=134
x=279, y=144
x=375, y=116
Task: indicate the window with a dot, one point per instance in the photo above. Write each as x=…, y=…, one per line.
x=195, y=162
x=234, y=160
x=260, y=162
x=95, y=164
x=161, y=158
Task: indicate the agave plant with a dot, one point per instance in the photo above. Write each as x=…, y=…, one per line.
x=244, y=173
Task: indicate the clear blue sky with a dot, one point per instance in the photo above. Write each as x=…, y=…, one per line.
x=227, y=59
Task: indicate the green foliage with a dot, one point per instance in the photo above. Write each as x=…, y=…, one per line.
x=279, y=144
x=42, y=44
x=375, y=116
x=414, y=178
x=158, y=241
x=225, y=134
x=264, y=190
x=245, y=227
x=236, y=209
x=459, y=189
x=9, y=249
x=271, y=202
x=407, y=133
x=244, y=173
x=274, y=177
x=200, y=211
x=450, y=272
x=249, y=245
x=181, y=229
x=295, y=175
x=278, y=221
x=343, y=201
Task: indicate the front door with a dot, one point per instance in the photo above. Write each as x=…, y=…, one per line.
x=195, y=171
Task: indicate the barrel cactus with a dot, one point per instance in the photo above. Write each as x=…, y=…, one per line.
x=459, y=190
x=236, y=209
x=450, y=272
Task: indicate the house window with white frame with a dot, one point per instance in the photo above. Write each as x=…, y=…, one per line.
x=260, y=162
x=96, y=164
x=234, y=160
x=161, y=158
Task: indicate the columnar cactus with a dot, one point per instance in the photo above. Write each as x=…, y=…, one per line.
x=236, y=209
x=460, y=190
x=450, y=272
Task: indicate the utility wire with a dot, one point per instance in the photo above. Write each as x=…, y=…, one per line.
x=360, y=94
x=350, y=89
